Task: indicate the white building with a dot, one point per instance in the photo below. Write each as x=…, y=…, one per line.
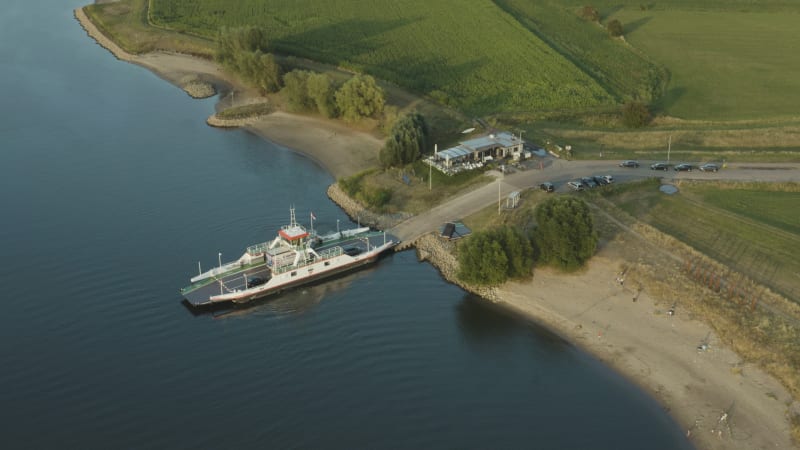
x=480, y=150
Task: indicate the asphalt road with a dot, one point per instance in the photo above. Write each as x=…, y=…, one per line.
x=559, y=172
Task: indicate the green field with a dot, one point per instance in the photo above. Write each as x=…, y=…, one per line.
x=470, y=54
x=754, y=231
x=725, y=64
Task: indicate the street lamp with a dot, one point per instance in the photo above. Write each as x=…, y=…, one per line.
x=219, y=257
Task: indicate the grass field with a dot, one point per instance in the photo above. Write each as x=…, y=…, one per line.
x=752, y=230
x=125, y=22
x=725, y=64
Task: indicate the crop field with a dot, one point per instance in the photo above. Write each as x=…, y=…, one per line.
x=469, y=54
x=624, y=73
x=727, y=62
x=754, y=232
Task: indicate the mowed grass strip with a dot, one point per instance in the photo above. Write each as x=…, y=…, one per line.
x=469, y=54
x=778, y=209
x=725, y=64
x=749, y=246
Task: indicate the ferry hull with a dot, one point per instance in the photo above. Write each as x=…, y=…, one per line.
x=213, y=294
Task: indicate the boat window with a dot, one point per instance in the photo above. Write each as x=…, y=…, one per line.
x=327, y=263
x=294, y=273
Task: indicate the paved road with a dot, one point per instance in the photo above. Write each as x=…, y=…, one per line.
x=559, y=172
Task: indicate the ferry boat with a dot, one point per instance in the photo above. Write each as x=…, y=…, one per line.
x=293, y=258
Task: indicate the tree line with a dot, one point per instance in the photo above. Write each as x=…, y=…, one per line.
x=564, y=237
x=245, y=51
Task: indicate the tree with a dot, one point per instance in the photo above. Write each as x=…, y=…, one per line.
x=241, y=50
x=615, y=28
x=321, y=92
x=590, y=13
x=565, y=236
x=635, y=114
x=481, y=260
x=408, y=140
x=295, y=90
x=359, y=97
x=493, y=256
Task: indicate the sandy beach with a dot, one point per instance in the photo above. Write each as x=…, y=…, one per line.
x=657, y=351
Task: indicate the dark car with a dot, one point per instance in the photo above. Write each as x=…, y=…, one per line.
x=255, y=281
x=601, y=181
x=547, y=187
x=352, y=251
x=683, y=168
x=629, y=163
x=589, y=182
x=659, y=166
x=709, y=167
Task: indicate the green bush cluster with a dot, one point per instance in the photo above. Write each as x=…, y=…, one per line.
x=491, y=257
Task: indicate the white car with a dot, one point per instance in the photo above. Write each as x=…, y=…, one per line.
x=575, y=185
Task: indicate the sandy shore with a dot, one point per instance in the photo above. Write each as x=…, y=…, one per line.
x=654, y=350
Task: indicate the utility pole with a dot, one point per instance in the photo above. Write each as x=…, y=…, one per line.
x=669, y=147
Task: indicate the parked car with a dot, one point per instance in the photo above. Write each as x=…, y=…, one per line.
x=547, y=187
x=629, y=163
x=255, y=281
x=683, y=168
x=575, y=185
x=589, y=182
x=709, y=167
x=659, y=166
x=602, y=180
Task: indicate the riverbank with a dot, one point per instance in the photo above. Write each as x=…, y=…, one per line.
x=656, y=351
x=341, y=150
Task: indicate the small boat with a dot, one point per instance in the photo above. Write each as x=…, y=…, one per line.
x=295, y=257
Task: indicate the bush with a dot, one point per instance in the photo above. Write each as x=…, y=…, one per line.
x=565, y=236
x=590, y=13
x=635, y=114
x=615, y=28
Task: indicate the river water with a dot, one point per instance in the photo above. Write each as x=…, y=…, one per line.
x=112, y=188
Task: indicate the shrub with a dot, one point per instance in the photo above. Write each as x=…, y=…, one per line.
x=635, y=114
x=590, y=13
x=615, y=28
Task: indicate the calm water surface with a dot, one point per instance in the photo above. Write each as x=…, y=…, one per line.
x=112, y=188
